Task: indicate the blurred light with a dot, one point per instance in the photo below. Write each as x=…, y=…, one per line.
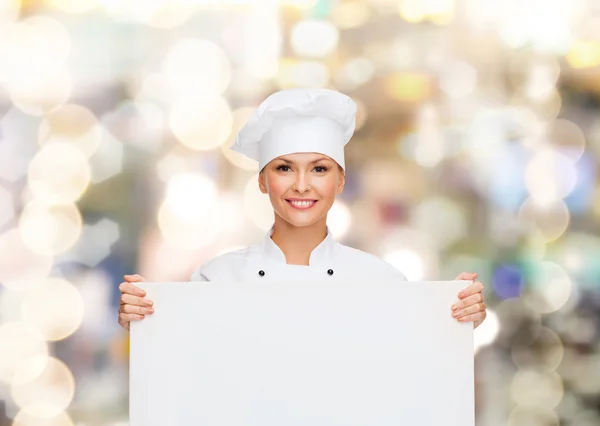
x=361, y=114
x=587, y=381
x=49, y=229
x=550, y=220
x=536, y=389
x=155, y=13
x=458, y=79
x=24, y=418
x=339, y=219
x=59, y=173
x=409, y=87
x=408, y=262
x=107, y=161
x=94, y=245
x=437, y=11
x=441, y=218
x=507, y=281
x=541, y=82
x=300, y=4
x=294, y=73
x=536, y=75
x=550, y=176
x=567, y=137
x=54, y=308
x=487, y=331
x=201, y=123
x=546, y=109
x=356, y=72
x=261, y=42
x=430, y=143
x=74, y=6
x=190, y=195
x=550, y=289
x=456, y=263
x=350, y=14
x=20, y=268
x=49, y=393
x=37, y=97
x=584, y=54
x=532, y=416
x=9, y=10
x=314, y=38
x=7, y=208
x=19, y=342
x=17, y=144
x=257, y=205
x=197, y=67
x=74, y=124
x=240, y=118
x=544, y=351
x=190, y=216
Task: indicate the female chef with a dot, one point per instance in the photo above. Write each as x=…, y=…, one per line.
x=298, y=138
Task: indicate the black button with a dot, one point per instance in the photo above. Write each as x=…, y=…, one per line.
x=261, y=273
x=330, y=271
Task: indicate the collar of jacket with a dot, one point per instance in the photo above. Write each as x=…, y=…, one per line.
x=321, y=255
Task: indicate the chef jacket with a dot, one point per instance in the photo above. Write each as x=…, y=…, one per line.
x=265, y=262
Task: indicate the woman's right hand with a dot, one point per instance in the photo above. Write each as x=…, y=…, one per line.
x=134, y=306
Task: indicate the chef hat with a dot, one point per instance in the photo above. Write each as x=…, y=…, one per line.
x=298, y=120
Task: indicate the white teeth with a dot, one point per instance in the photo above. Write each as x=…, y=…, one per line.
x=302, y=203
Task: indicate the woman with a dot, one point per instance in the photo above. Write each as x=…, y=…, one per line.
x=298, y=138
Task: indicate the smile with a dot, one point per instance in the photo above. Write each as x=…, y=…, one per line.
x=301, y=204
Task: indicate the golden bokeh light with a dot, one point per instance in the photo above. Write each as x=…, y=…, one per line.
x=566, y=136
x=49, y=392
x=197, y=67
x=49, y=229
x=74, y=124
x=10, y=10
x=59, y=173
x=201, y=123
x=544, y=351
x=19, y=342
x=20, y=267
x=550, y=220
x=409, y=87
x=584, y=54
x=24, y=418
x=442, y=218
x=257, y=205
x=534, y=388
x=240, y=118
x=351, y=14
x=54, y=308
x=39, y=96
x=191, y=234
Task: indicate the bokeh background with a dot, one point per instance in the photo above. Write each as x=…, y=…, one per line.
x=476, y=149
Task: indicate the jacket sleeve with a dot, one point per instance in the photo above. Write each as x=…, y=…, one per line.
x=198, y=276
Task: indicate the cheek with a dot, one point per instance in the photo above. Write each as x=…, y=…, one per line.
x=277, y=186
x=326, y=187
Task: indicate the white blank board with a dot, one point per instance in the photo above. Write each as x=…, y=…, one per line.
x=309, y=354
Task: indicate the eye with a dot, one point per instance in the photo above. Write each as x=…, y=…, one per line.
x=320, y=169
x=282, y=167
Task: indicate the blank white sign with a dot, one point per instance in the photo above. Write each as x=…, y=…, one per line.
x=302, y=354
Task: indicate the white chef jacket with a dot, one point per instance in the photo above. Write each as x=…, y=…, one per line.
x=265, y=262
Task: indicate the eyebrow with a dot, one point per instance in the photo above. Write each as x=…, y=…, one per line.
x=285, y=160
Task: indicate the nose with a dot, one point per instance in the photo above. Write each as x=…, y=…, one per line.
x=302, y=183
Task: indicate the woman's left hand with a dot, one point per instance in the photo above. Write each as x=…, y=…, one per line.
x=471, y=306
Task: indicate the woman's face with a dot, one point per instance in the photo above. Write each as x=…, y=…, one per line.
x=302, y=186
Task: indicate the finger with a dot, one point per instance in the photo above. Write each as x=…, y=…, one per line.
x=466, y=276
x=134, y=278
x=468, y=301
x=473, y=309
x=129, y=288
x=132, y=309
x=473, y=317
x=129, y=299
x=130, y=317
x=476, y=287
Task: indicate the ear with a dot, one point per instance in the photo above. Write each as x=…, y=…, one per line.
x=341, y=183
x=261, y=182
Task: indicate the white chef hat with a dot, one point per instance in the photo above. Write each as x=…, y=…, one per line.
x=298, y=120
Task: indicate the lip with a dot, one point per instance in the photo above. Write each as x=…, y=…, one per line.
x=289, y=201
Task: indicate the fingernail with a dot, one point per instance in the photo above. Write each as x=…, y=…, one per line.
x=455, y=314
x=151, y=310
x=149, y=302
x=461, y=294
x=453, y=307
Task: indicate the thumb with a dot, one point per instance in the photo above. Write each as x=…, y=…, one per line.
x=134, y=278
x=467, y=276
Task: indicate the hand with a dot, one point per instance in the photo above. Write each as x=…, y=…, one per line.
x=471, y=306
x=133, y=305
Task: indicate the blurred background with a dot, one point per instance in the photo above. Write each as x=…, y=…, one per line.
x=476, y=149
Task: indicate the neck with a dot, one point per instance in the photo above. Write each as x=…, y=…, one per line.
x=297, y=243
